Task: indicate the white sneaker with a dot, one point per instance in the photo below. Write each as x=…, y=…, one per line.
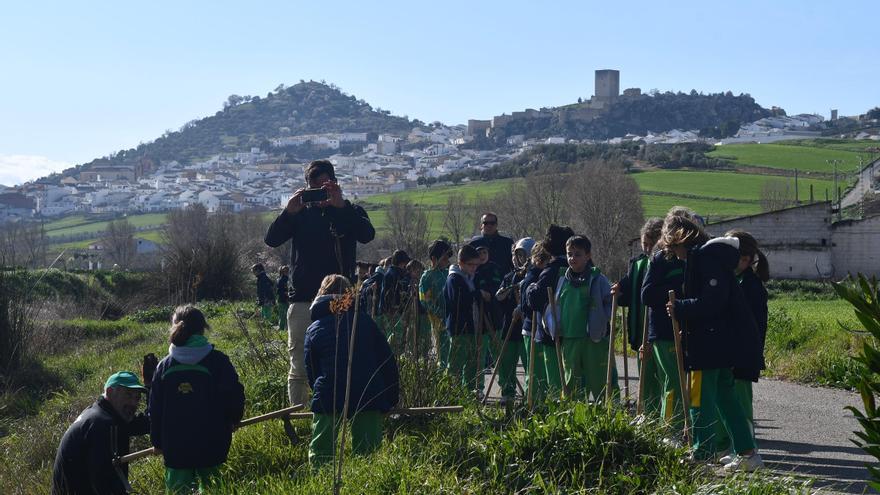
x=745, y=463
x=726, y=456
x=672, y=442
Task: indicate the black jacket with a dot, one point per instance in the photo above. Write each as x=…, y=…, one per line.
x=663, y=275
x=508, y=306
x=371, y=291
x=500, y=249
x=395, y=291
x=524, y=306
x=194, y=408
x=281, y=289
x=756, y=298
x=630, y=287
x=265, y=294
x=489, y=278
x=537, y=294
x=462, y=304
x=719, y=330
x=375, y=382
x=314, y=253
x=84, y=462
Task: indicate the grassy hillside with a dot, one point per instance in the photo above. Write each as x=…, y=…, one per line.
x=80, y=224
x=805, y=156
x=722, y=185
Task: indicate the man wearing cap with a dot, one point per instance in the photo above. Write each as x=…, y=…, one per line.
x=323, y=235
x=84, y=462
x=499, y=246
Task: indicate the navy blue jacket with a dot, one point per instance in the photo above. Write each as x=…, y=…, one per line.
x=630, y=296
x=375, y=382
x=193, y=410
x=756, y=299
x=281, y=288
x=313, y=233
x=719, y=330
x=663, y=275
x=394, y=291
x=461, y=304
x=489, y=278
x=265, y=293
x=524, y=306
x=500, y=249
x=84, y=462
x=537, y=294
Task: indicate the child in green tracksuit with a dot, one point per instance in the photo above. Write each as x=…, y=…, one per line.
x=629, y=295
x=462, y=312
x=431, y=287
x=751, y=273
x=583, y=302
x=719, y=334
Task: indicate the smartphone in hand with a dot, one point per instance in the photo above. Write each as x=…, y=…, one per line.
x=314, y=195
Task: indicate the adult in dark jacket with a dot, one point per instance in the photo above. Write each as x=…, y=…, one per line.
x=499, y=245
x=84, y=462
x=374, y=375
x=718, y=333
x=195, y=402
x=324, y=237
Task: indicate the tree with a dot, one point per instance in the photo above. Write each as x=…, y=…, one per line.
x=457, y=221
x=119, y=243
x=409, y=227
x=776, y=194
x=605, y=205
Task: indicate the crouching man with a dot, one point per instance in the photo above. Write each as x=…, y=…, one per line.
x=84, y=462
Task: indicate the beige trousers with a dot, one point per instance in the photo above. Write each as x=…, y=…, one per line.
x=298, y=320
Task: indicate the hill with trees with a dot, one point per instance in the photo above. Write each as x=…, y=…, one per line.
x=716, y=115
x=250, y=121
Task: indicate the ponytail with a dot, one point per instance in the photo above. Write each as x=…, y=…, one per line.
x=762, y=270
x=185, y=322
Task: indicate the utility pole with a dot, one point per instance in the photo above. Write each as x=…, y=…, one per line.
x=796, y=197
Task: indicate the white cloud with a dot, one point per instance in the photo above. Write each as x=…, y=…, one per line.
x=16, y=169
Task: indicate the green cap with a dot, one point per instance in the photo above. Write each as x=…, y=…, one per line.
x=125, y=379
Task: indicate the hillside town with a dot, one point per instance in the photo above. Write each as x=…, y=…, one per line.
x=367, y=163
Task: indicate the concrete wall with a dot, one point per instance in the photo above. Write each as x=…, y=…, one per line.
x=797, y=241
x=856, y=247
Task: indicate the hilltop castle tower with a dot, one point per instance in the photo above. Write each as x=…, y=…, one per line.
x=607, y=85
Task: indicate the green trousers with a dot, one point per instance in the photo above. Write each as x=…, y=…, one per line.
x=670, y=389
x=652, y=388
x=713, y=399
x=267, y=312
x=462, y=360
x=366, y=435
x=551, y=370
x=513, y=353
x=539, y=374
x=282, y=316
x=186, y=481
x=585, y=364
x=743, y=391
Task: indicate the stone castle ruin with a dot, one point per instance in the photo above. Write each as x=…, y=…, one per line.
x=607, y=93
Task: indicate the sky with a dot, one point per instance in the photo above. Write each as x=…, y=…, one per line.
x=81, y=80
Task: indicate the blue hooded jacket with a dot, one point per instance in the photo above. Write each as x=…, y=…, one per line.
x=375, y=382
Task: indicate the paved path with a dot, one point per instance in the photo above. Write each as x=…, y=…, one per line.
x=802, y=431
x=864, y=184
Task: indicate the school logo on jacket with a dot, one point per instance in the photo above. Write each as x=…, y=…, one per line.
x=184, y=388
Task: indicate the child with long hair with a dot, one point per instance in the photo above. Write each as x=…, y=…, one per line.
x=718, y=334
x=752, y=272
x=374, y=375
x=195, y=401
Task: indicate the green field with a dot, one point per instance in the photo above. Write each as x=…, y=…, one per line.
x=658, y=205
x=723, y=185
x=79, y=224
x=437, y=196
x=791, y=156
